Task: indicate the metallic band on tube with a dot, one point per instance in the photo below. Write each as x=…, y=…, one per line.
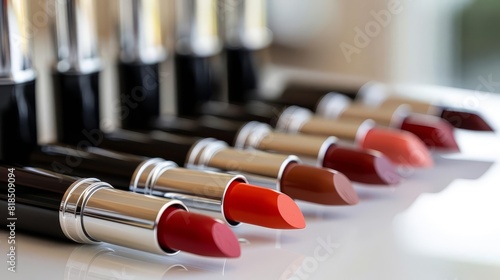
x=251, y=134
x=292, y=119
x=332, y=105
x=72, y=207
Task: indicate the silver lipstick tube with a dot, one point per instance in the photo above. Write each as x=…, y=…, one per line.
x=197, y=28
x=245, y=24
x=260, y=168
x=15, y=43
x=296, y=119
x=76, y=36
x=202, y=192
x=140, y=32
x=92, y=211
x=261, y=136
x=338, y=106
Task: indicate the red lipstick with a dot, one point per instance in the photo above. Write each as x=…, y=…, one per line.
x=371, y=167
x=407, y=148
x=433, y=131
x=90, y=211
x=203, y=192
x=278, y=209
x=360, y=165
x=181, y=230
x=311, y=149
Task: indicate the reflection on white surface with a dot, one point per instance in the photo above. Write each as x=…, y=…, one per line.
x=460, y=223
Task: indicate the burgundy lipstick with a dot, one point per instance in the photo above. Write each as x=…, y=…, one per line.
x=375, y=94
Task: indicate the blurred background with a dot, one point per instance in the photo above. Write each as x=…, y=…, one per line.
x=447, y=42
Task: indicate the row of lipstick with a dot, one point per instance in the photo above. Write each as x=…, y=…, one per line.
x=148, y=210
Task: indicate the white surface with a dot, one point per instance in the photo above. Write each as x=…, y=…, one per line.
x=441, y=223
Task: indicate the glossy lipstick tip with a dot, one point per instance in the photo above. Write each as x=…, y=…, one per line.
x=362, y=165
x=433, y=131
x=318, y=185
x=197, y=234
x=401, y=147
x=465, y=120
x=263, y=207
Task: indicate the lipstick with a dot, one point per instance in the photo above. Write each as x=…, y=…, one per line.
x=309, y=94
x=260, y=168
x=401, y=147
x=217, y=194
x=90, y=211
x=366, y=166
x=141, y=54
x=18, y=133
x=433, y=131
x=197, y=45
x=76, y=73
x=377, y=94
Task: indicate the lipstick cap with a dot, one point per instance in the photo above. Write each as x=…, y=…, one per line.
x=76, y=37
x=196, y=28
x=245, y=24
x=15, y=43
x=140, y=32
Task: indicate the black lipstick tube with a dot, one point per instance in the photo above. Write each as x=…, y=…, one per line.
x=76, y=73
x=202, y=192
x=260, y=168
x=245, y=34
x=18, y=131
x=141, y=55
x=197, y=43
x=82, y=210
